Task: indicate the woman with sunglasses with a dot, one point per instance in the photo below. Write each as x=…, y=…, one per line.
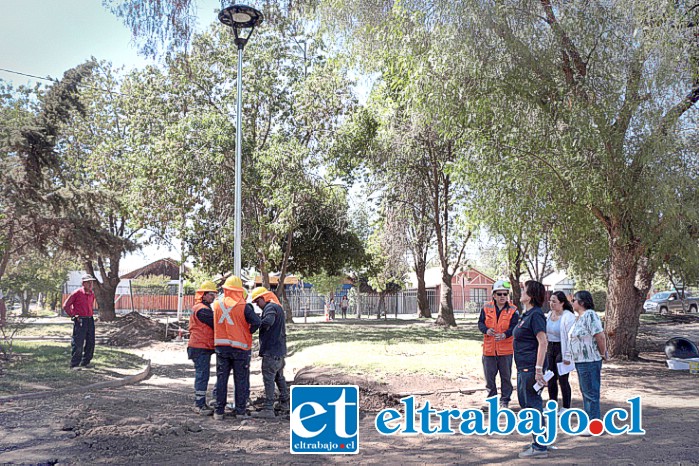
x=530, y=356
x=558, y=322
x=588, y=346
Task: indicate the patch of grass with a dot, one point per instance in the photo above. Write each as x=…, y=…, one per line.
x=46, y=330
x=654, y=318
x=42, y=312
x=391, y=347
x=39, y=366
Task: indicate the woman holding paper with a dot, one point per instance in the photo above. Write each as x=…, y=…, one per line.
x=530, y=356
x=558, y=323
x=588, y=346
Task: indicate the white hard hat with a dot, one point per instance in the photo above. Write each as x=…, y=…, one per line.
x=502, y=285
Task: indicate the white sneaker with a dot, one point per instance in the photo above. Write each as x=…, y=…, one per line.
x=531, y=453
x=585, y=433
x=561, y=411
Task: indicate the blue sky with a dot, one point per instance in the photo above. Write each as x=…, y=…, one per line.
x=48, y=37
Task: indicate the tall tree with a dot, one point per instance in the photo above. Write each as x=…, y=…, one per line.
x=602, y=106
x=593, y=97
x=42, y=206
x=97, y=152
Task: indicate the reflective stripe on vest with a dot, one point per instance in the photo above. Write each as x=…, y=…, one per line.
x=491, y=347
x=231, y=328
x=225, y=342
x=225, y=311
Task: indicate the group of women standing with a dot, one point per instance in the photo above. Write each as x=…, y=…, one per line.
x=541, y=342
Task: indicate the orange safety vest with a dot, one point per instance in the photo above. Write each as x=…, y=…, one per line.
x=230, y=327
x=200, y=334
x=490, y=346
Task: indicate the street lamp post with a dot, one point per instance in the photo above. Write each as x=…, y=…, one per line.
x=242, y=19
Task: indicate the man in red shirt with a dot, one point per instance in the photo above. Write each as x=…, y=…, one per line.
x=79, y=307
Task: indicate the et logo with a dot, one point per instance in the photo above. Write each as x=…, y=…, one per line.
x=324, y=419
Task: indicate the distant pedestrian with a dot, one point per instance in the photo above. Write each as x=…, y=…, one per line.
x=79, y=307
x=331, y=308
x=234, y=323
x=201, y=343
x=344, y=305
x=272, y=350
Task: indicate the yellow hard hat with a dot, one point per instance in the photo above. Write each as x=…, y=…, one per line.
x=208, y=285
x=233, y=282
x=257, y=292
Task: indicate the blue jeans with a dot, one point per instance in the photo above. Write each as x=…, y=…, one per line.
x=273, y=375
x=202, y=362
x=590, y=379
x=528, y=398
x=83, y=341
x=239, y=362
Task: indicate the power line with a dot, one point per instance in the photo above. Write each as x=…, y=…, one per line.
x=55, y=81
x=28, y=75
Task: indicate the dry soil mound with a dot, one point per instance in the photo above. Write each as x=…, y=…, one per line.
x=135, y=330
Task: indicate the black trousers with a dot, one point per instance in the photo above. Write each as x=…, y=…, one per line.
x=491, y=366
x=83, y=341
x=239, y=363
x=554, y=356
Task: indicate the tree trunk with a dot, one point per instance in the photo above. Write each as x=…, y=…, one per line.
x=105, y=291
x=446, y=306
x=265, y=275
x=624, y=299
x=55, y=300
x=7, y=247
x=515, y=277
x=25, y=299
x=281, y=292
x=423, y=304
x=382, y=304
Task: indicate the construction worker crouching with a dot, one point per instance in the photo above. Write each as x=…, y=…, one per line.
x=272, y=350
x=234, y=323
x=201, y=343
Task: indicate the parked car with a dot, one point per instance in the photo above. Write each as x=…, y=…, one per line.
x=667, y=301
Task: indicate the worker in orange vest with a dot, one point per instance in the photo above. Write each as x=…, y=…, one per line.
x=497, y=321
x=201, y=343
x=234, y=323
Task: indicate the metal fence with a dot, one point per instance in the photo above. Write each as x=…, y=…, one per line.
x=404, y=302
x=302, y=302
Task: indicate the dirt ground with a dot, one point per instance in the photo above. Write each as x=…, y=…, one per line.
x=150, y=422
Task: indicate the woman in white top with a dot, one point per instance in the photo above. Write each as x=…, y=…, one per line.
x=558, y=323
x=587, y=347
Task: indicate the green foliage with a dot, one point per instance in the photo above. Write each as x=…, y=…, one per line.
x=185, y=167
x=43, y=208
x=151, y=284
x=387, y=269
x=324, y=283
